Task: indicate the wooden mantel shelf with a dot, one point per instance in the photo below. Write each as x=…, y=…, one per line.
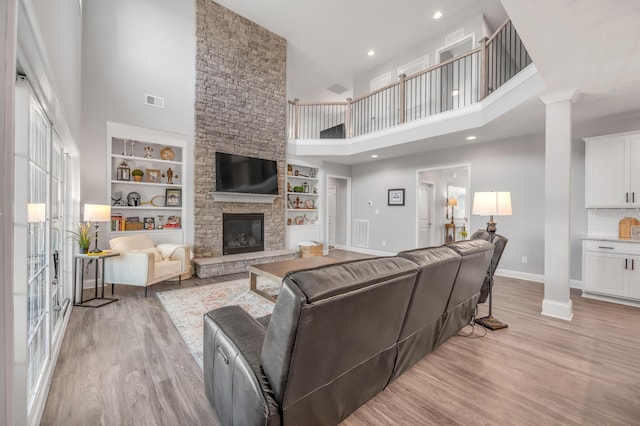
x=238, y=197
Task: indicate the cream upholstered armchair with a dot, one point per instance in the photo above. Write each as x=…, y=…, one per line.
x=142, y=263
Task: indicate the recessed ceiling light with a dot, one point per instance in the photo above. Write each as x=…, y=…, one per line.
x=454, y=92
x=437, y=15
x=470, y=138
x=371, y=53
x=374, y=156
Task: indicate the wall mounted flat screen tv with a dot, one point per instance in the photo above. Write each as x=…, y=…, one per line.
x=237, y=173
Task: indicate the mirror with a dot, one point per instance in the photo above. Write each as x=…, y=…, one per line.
x=459, y=194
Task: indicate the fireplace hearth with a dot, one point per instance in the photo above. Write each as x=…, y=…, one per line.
x=242, y=232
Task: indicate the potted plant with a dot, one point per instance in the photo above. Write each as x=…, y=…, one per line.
x=137, y=175
x=83, y=236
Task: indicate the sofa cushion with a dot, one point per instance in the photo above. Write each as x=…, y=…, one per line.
x=167, y=268
x=476, y=255
x=131, y=242
x=334, y=329
x=156, y=253
x=421, y=328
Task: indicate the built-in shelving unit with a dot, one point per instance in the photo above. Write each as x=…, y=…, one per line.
x=154, y=205
x=302, y=201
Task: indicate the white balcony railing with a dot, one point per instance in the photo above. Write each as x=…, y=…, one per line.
x=458, y=82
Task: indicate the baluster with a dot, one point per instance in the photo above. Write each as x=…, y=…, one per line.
x=484, y=69
x=296, y=114
x=402, y=97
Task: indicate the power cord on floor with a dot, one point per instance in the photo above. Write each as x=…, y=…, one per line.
x=472, y=324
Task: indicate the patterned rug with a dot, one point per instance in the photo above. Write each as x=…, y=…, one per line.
x=186, y=307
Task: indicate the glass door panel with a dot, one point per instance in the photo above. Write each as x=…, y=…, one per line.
x=38, y=253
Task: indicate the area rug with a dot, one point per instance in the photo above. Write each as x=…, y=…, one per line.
x=186, y=307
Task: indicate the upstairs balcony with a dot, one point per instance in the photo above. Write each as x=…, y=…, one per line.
x=448, y=97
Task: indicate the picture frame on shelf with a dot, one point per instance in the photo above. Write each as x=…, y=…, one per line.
x=153, y=175
x=173, y=197
x=395, y=197
x=149, y=223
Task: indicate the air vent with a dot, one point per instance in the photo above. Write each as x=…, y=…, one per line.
x=361, y=233
x=154, y=101
x=338, y=89
x=453, y=37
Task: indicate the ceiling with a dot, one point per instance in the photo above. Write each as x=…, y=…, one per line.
x=328, y=40
x=589, y=45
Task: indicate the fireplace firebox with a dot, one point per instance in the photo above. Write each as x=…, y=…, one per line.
x=242, y=232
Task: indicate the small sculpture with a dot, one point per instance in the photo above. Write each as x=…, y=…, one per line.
x=169, y=175
x=148, y=151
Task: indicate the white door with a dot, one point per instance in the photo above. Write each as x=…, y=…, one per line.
x=332, y=208
x=425, y=215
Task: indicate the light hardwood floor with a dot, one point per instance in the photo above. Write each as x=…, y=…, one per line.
x=126, y=364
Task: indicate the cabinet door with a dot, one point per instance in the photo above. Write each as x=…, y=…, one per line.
x=605, y=273
x=633, y=274
x=634, y=170
x=607, y=173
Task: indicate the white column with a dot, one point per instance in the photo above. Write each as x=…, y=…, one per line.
x=557, y=217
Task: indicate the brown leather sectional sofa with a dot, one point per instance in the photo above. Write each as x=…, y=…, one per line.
x=339, y=334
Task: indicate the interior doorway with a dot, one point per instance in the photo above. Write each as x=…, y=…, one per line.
x=425, y=213
x=338, y=212
x=434, y=187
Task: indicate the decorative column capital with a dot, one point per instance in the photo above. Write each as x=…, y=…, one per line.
x=570, y=95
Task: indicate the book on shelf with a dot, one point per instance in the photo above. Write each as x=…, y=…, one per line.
x=117, y=223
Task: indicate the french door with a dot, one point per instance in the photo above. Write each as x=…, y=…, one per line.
x=40, y=288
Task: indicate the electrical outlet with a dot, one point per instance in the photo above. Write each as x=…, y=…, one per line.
x=377, y=211
x=524, y=259
x=384, y=243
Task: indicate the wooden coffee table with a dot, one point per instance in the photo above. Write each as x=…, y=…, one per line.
x=277, y=270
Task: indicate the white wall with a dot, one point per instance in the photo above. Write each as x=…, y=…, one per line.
x=512, y=165
x=475, y=25
x=7, y=94
x=130, y=48
x=60, y=23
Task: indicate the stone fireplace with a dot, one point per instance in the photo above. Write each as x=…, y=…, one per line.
x=240, y=108
x=242, y=233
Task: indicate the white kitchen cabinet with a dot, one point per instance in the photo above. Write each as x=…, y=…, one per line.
x=612, y=171
x=611, y=269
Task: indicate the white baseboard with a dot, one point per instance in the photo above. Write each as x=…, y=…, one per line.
x=611, y=299
x=555, y=309
x=538, y=278
x=371, y=252
x=520, y=275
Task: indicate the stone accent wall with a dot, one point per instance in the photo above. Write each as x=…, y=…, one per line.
x=240, y=109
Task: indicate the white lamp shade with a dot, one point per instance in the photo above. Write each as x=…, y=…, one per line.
x=97, y=213
x=36, y=212
x=492, y=204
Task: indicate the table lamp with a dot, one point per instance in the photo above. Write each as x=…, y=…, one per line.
x=491, y=204
x=97, y=213
x=452, y=202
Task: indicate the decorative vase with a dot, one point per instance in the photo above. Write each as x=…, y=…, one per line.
x=84, y=249
x=137, y=178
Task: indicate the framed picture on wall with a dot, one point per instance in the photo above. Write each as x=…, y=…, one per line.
x=395, y=197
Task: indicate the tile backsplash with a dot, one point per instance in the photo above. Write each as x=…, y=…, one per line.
x=605, y=222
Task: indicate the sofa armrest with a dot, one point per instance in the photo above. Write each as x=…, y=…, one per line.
x=235, y=384
x=176, y=252
x=129, y=268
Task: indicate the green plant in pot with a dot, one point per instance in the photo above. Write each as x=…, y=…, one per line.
x=83, y=236
x=137, y=175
